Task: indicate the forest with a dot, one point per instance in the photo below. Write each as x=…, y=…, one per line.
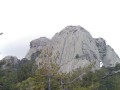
x=26, y=76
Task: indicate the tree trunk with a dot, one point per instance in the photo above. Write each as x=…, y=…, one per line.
x=62, y=84
x=49, y=83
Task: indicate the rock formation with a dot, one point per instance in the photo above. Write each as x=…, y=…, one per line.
x=107, y=54
x=35, y=47
x=111, y=58
x=75, y=48
x=9, y=62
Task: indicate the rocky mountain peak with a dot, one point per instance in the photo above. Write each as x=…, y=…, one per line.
x=76, y=48
x=42, y=41
x=111, y=58
x=35, y=47
x=9, y=61
x=72, y=42
x=72, y=29
x=69, y=30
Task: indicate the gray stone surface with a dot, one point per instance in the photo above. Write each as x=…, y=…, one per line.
x=107, y=54
x=111, y=58
x=72, y=42
x=9, y=61
x=101, y=44
x=35, y=47
x=75, y=47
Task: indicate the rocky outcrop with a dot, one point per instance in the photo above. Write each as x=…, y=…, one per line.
x=8, y=62
x=75, y=47
x=101, y=45
x=108, y=56
x=35, y=47
x=111, y=58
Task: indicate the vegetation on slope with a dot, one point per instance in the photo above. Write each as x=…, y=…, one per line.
x=26, y=76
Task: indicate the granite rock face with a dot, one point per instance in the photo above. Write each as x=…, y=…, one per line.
x=101, y=45
x=9, y=61
x=75, y=48
x=111, y=58
x=35, y=47
x=108, y=56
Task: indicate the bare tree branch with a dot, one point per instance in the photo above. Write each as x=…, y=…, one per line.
x=1, y=33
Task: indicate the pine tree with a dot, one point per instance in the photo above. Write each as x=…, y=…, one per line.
x=49, y=66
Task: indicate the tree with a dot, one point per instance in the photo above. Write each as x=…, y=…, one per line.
x=25, y=69
x=48, y=64
x=46, y=77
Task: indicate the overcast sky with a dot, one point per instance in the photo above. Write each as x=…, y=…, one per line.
x=24, y=20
